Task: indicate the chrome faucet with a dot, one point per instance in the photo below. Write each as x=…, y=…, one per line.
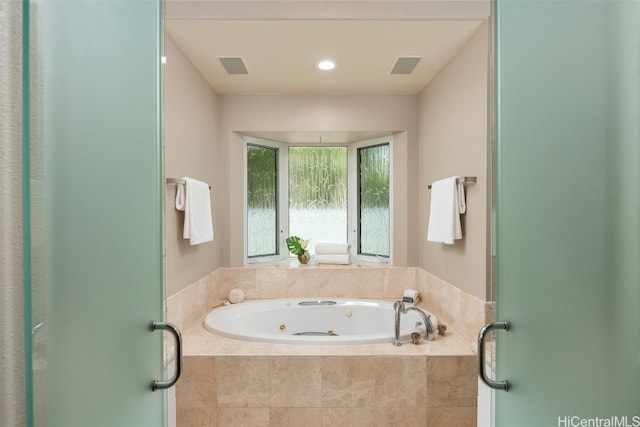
x=400, y=308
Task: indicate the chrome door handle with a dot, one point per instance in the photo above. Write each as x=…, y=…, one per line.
x=166, y=326
x=496, y=385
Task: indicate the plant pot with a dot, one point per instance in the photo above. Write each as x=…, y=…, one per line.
x=304, y=258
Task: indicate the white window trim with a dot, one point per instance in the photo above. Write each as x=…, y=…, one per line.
x=283, y=201
x=352, y=197
x=353, y=200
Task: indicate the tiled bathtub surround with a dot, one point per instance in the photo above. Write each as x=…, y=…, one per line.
x=186, y=307
x=231, y=383
x=457, y=309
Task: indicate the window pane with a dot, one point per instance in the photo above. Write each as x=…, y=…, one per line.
x=318, y=194
x=262, y=201
x=373, y=210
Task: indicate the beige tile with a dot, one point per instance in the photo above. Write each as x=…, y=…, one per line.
x=422, y=280
x=401, y=382
x=245, y=417
x=206, y=292
x=195, y=304
x=211, y=291
x=406, y=349
x=452, y=381
x=349, y=350
x=199, y=342
x=369, y=282
x=406, y=417
x=337, y=284
x=197, y=386
x=295, y=381
x=428, y=294
x=295, y=350
x=175, y=306
x=448, y=417
x=348, y=382
x=489, y=313
x=348, y=417
x=216, y=281
x=452, y=344
x=445, y=300
x=240, y=278
x=196, y=417
x=271, y=283
x=295, y=417
x=233, y=347
x=400, y=278
x=242, y=381
x=472, y=316
x=305, y=282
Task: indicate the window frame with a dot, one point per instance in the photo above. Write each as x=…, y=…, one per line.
x=283, y=197
x=354, y=199
x=282, y=212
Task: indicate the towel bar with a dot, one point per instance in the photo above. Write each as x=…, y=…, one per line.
x=178, y=181
x=464, y=180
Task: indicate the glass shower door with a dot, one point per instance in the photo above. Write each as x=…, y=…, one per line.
x=566, y=234
x=96, y=166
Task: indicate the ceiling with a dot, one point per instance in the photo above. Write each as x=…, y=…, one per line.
x=281, y=55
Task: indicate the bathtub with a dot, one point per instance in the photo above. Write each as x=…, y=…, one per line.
x=313, y=321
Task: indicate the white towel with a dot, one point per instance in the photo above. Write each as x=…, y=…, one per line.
x=195, y=200
x=332, y=248
x=333, y=259
x=447, y=203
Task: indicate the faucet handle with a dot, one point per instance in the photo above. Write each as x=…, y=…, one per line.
x=415, y=338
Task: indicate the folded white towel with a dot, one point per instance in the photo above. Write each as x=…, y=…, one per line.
x=333, y=259
x=195, y=200
x=447, y=203
x=332, y=248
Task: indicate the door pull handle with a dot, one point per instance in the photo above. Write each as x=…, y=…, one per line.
x=496, y=385
x=169, y=327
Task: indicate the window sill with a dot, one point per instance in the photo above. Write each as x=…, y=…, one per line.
x=294, y=263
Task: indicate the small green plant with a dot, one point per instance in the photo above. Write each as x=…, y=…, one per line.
x=296, y=245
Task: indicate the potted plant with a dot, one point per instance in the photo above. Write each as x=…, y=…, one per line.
x=298, y=247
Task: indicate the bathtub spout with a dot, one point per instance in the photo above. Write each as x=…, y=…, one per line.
x=399, y=308
x=429, y=333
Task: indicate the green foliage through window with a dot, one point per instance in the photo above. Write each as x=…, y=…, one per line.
x=262, y=201
x=373, y=181
x=317, y=177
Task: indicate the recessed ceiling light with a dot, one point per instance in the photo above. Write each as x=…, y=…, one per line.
x=326, y=65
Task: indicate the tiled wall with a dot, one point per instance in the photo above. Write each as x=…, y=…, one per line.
x=457, y=309
x=463, y=312
x=438, y=391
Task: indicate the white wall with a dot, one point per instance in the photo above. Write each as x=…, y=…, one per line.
x=191, y=149
x=454, y=141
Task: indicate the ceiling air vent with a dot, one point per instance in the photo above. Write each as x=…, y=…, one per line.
x=405, y=65
x=233, y=65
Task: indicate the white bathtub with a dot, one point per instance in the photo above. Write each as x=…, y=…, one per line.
x=323, y=321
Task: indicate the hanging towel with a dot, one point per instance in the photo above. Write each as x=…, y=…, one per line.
x=447, y=203
x=333, y=258
x=195, y=200
x=332, y=248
